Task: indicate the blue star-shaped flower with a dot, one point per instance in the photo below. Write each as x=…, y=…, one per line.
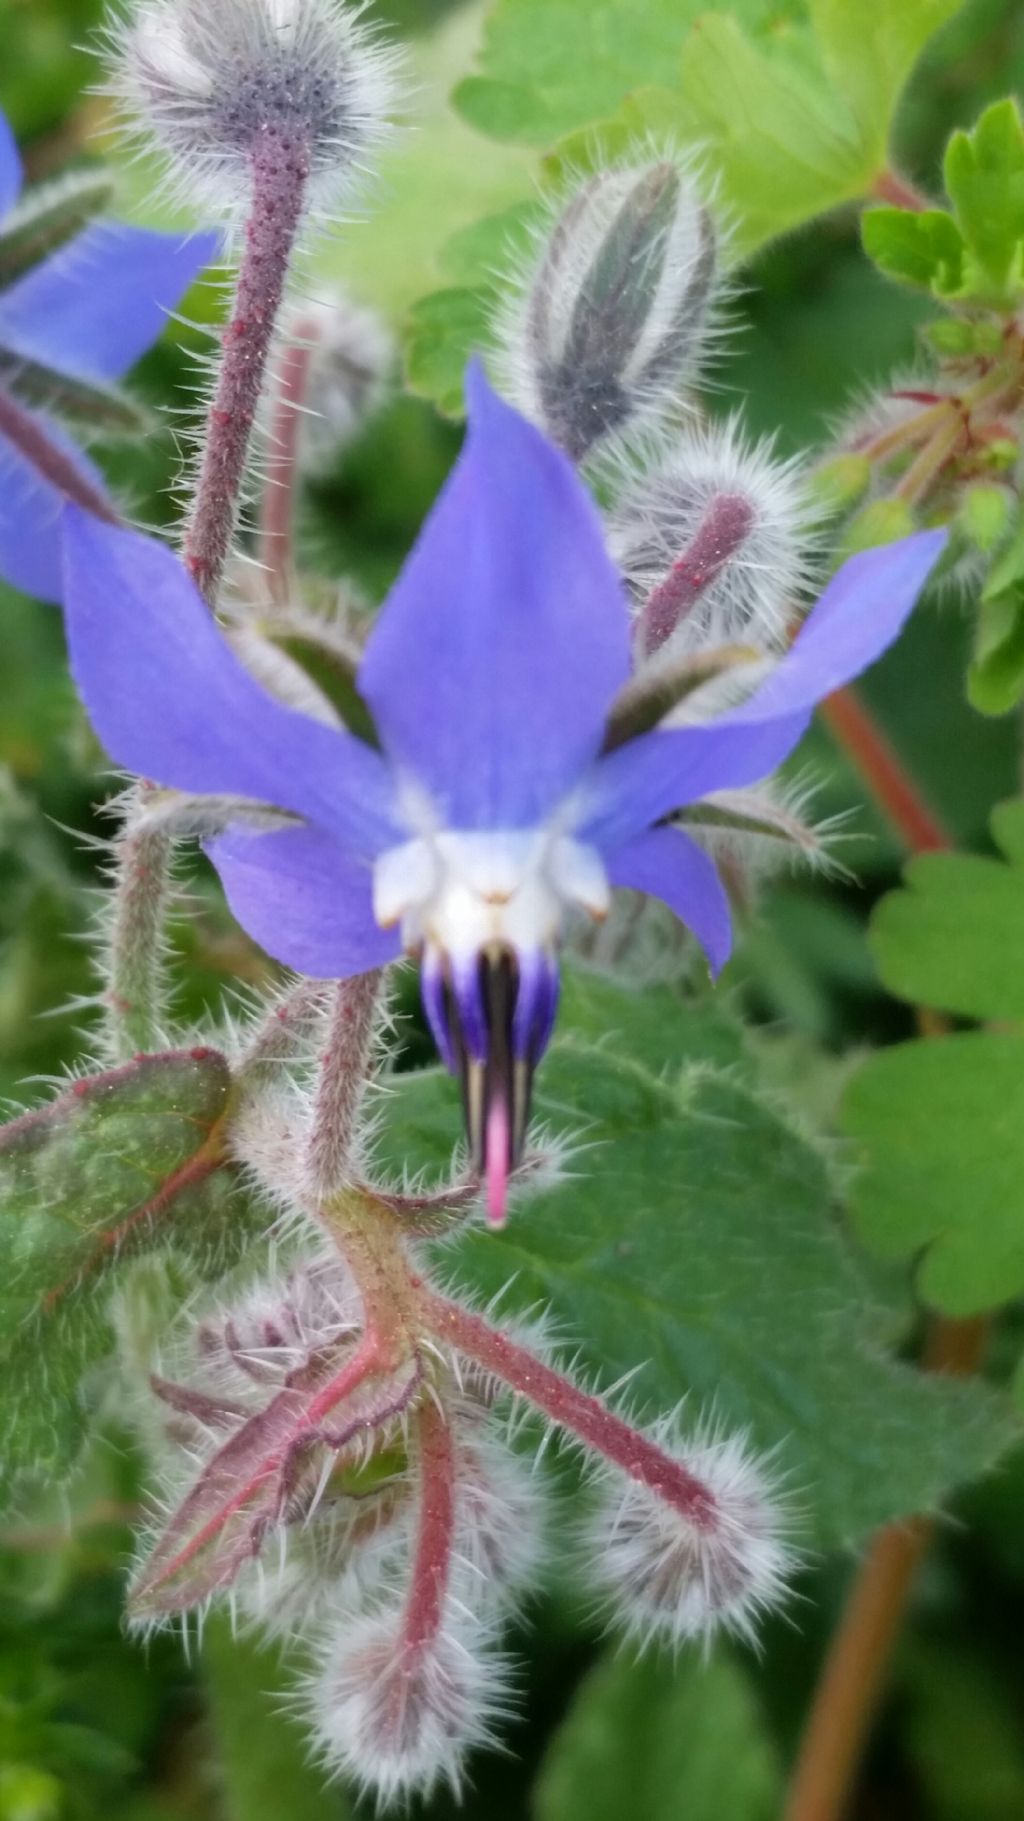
x=84, y=315
x=491, y=808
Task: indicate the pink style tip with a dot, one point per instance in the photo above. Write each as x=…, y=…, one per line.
x=496, y=1164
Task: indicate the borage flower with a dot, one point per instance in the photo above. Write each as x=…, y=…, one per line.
x=80, y=301
x=492, y=808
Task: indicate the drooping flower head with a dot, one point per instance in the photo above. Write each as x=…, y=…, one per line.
x=491, y=809
x=80, y=300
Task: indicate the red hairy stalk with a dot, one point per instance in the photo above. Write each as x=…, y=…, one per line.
x=436, y=1535
x=280, y=486
x=280, y=172
x=573, y=1410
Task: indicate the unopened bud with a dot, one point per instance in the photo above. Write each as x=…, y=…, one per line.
x=216, y=83
x=671, y=1578
x=880, y=522
x=613, y=318
x=958, y=338
x=985, y=515
x=400, y=1718
x=713, y=545
x=841, y=483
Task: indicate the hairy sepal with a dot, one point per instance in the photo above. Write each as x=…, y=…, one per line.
x=269, y=1475
x=48, y=217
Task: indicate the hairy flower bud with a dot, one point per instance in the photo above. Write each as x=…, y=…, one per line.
x=400, y=1718
x=669, y=1578
x=613, y=317
x=214, y=83
x=712, y=545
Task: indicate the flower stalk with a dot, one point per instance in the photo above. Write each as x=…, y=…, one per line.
x=280, y=168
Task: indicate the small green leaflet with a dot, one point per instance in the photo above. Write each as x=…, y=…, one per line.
x=939, y=1125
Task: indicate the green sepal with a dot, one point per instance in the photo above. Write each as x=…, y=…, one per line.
x=47, y=217
x=995, y=678
x=84, y=402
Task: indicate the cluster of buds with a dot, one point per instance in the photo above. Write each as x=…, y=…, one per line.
x=343, y=1463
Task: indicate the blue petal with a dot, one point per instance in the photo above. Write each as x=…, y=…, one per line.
x=30, y=517
x=10, y=168
x=861, y=612
x=170, y=700
x=649, y=777
x=103, y=299
x=492, y=667
x=305, y=900
x=667, y=864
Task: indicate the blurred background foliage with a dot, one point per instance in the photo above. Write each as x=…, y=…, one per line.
x=92, y=1725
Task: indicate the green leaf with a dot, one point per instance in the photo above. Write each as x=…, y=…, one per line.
x=924, y=249
x=954, y=937
x=262, y=1752
x=995, y=679
x=118, y=1164
x=695, y=1232
x=661, y=1740
x=550, y=66
x=939, y=1125
x=984, y=174
x=443, y=330
x=869, y=54
x=939, y=1131
x=47, y=217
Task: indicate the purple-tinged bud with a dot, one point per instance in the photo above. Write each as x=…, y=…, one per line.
x=612, y=320
x=400, y=1718
x=713, y=545
x=668, y=1578
x=214, y=83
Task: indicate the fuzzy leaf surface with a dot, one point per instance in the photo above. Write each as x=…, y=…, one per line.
x=697, y=1233
x=118, y=1164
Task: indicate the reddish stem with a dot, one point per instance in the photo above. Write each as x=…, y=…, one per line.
x=280, y=171
x=435, y=1541
x=853, y=1678
x=890, y=187
x=572, y=1409
x=280, y=485
x=719, y=536
x=29, y=436
x=890, y=784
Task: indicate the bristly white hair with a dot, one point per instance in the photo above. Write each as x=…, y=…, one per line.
x=669, y=1578
x=401, y=1721
x=593, y=355
x=206, y=79
x=751, y=590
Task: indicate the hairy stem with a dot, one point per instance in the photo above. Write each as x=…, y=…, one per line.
x=343, y=1070
x=435, y=1542
x=854, y=1675
x=135, y=1001
x=281, y=480
x=890, y=784
x=29, y=436
x=280, y=171
x=572, y=1409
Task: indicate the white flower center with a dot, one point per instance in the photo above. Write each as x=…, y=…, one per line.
x=462, y=893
